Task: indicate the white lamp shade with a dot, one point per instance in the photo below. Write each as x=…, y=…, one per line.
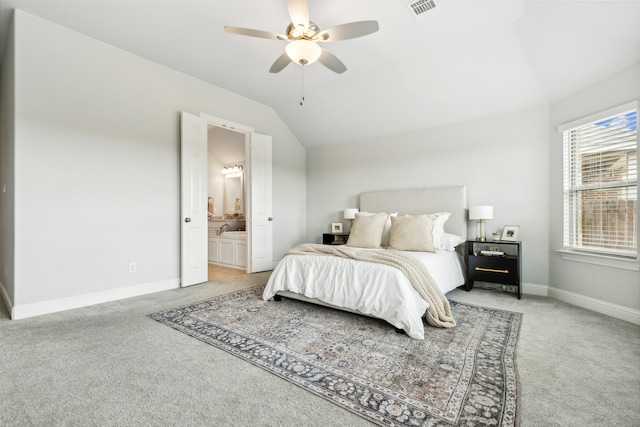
x=350, y=213
x=303, y=51
x=481, y=212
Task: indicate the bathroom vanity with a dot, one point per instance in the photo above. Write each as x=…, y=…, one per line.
x=228, y=249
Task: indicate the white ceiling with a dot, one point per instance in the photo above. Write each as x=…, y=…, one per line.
x=470, y=59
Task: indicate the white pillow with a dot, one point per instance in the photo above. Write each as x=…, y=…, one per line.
x=367, y=229
x=438, y=227
x=450, y=241
x=387, y=230
x=412, y=233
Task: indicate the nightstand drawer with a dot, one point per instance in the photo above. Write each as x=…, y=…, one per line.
x=493, y=269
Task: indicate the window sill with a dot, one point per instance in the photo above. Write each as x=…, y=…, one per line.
x=608, y=261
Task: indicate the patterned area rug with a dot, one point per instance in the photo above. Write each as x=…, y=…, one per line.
x=460, y=376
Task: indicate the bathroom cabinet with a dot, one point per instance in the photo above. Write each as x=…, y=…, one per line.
x=228, y=251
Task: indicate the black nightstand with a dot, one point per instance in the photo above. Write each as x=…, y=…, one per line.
x=505, y=269
x=334, y=239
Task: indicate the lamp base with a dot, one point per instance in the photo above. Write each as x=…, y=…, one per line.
x=480, y=232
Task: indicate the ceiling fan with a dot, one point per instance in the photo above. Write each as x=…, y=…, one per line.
x=302, y=36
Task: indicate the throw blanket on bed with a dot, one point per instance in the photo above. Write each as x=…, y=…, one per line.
x=439, y=311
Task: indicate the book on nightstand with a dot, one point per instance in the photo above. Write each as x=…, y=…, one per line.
x=492, y=253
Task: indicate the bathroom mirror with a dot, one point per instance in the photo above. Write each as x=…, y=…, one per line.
x=234, y=195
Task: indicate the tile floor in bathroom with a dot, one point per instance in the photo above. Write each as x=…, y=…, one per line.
x=218, y=272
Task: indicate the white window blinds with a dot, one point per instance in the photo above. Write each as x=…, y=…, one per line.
x=600, y=157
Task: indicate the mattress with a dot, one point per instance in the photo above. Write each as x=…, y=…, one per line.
x=367, y=288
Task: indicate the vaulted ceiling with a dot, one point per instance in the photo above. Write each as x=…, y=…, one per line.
x=464, y=59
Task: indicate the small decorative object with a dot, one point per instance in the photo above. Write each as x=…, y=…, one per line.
x=237, y=204
x=490, y=252
x=510, y=233
x=336, y=227
x=496, y=235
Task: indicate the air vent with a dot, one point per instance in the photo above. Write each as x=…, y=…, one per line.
x=422, y=8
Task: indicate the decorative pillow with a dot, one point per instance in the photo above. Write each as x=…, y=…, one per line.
x=367, y=229
x=450, y=241
x=438, y=227
x=412, y=233
x=387, y=230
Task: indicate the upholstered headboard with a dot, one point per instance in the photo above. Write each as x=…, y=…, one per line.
x=422, y=201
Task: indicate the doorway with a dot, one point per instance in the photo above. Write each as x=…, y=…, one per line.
x=194, y=198
x=226, y=208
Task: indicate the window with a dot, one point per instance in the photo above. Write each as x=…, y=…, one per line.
x=600, y=158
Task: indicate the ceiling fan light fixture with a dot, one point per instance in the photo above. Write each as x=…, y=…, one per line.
x=303, y=52
x=300, y=31
x=303, y=35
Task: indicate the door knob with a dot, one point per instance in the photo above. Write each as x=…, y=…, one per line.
x=187, y=220
x=270, y=219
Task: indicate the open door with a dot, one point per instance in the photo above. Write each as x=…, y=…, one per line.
x=261, y=208
x=194, y=228
x=193, y=203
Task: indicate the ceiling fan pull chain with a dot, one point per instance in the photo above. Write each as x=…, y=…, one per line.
x=302, y=97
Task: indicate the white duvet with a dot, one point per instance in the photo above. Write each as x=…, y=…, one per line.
x=368, y=288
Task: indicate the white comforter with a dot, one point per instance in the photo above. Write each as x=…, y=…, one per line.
x=372, y=289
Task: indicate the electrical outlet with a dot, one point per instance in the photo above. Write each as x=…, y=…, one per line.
x=132, y=267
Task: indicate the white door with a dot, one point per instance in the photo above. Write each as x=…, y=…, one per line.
x=260, y=209
x=193, y=172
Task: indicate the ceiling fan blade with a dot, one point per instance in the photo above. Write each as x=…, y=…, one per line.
x=349, y=31
x=254, y=33
x=280, y=63
x=330, y=61
x=299, y=12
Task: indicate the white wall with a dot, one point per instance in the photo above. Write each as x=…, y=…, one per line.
x=614, y=285
x=97, y=164
x=502, y=160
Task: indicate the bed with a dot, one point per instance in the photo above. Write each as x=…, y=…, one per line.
x=378, y=282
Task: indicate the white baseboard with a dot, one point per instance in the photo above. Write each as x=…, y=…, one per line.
x=535, y=289
x=614, y=310
x=60, y=304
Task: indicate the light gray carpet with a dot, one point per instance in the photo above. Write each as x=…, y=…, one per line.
x=110, y=364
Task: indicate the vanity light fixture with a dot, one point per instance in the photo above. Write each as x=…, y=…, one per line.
x=232, y=169
x=480, y=214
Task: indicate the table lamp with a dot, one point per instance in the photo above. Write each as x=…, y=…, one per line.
x=350, y=214
x=480, y=214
